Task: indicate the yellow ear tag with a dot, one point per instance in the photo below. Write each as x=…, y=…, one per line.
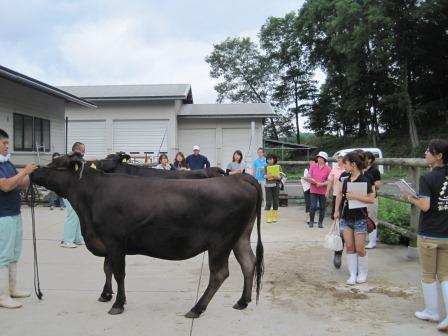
x=93, y=165
x=76, y=167
x=124, y=160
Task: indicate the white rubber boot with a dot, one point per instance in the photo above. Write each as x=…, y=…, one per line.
x=352, y=265
x=5, y=298
x=363, y=269
x=443, y=326
x=13, y=282
x=431, y=297
x=372, y=240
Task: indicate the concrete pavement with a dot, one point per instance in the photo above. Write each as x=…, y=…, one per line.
x=302, y=293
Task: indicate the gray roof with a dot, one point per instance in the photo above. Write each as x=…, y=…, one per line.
x=133, y=92
x=42, y=87
x=261, y=110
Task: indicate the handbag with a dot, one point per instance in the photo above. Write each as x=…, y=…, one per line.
x=370, y=223
x=333, y=239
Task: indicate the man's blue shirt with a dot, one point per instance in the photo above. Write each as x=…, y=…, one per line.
x=259, y=165
x=196, y=162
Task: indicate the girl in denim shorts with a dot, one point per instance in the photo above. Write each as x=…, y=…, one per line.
x=353, y=222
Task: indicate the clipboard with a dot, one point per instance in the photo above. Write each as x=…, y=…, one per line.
x=359, y=188
x=274, y=170
x=403, y=185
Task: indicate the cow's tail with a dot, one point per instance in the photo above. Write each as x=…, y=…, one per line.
x=259, y=265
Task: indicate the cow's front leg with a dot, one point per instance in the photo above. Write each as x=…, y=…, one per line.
x=107, y=293
x=117, y=260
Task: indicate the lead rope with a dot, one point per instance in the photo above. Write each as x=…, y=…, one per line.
x=32, y=193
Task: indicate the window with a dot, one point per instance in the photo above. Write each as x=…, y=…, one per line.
x=31, y=133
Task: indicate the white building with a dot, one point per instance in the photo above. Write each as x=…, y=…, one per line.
x=162, y=118
x=33, y=114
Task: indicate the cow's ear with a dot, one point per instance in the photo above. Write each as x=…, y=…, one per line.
x=125, y=158
x=75, y=161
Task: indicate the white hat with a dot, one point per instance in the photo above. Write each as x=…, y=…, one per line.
x=323, y=155
x=196, y=147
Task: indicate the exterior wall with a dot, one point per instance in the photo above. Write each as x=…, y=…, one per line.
x=131, y=110
x=16, y=98
x=221, y=127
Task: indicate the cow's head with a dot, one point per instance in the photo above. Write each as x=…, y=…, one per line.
x=112, y=162
x=60, y=173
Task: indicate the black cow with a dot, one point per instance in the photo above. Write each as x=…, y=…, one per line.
x=118, y=163
x=177, y=220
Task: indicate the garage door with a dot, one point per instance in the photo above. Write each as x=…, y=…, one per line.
x=204, y=138
x=141, y=136
x=233, y=139
x=90, y=132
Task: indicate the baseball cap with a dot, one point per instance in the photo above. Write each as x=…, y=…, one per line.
x=196, y=147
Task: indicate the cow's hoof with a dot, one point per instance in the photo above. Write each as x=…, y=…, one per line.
x=192, y=314
x=116, y=311
x=105, y=297
x=240, y=305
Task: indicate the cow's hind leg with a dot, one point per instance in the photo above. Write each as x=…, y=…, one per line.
x=219, y=271
x=118, y=267
x=107, y=293
x=246, y=258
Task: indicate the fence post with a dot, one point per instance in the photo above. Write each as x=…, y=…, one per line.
x=415, y=213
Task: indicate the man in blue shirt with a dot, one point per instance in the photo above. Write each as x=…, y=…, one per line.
x=10, y=224
x=258, y=167
x=197, y=161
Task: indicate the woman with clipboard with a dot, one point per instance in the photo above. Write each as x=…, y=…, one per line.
x=432, y=237
x=272, y=188
x=351, y=208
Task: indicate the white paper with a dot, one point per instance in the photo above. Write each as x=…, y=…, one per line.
x=359, y=188
x=403, y=185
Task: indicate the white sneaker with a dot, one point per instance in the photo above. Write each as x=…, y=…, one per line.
x=370, y=246
x=68, y=245
x=80, y=243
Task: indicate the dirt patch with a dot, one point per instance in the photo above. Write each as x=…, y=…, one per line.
x=301, y=277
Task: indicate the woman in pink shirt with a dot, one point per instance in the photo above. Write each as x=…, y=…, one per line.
x=318, y=173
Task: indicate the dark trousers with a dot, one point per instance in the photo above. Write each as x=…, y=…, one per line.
x=333, y=207
x=272, y=198
x=307, y=195
x=322, y=200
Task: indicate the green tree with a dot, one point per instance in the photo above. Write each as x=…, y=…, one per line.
x=296, y=89
x=246, y=76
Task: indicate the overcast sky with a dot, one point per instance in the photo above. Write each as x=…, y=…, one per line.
x=90, y=42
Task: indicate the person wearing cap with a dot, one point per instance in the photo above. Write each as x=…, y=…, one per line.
x=318, y=173
x=197, y=161
x=334, y=183
x=11, y=231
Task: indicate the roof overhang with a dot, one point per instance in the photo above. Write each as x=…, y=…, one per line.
x=259, y=111
x=42, y=87
x=144, y=92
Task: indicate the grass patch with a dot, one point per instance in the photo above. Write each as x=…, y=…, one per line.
x=394, y=212
x=394, y=171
